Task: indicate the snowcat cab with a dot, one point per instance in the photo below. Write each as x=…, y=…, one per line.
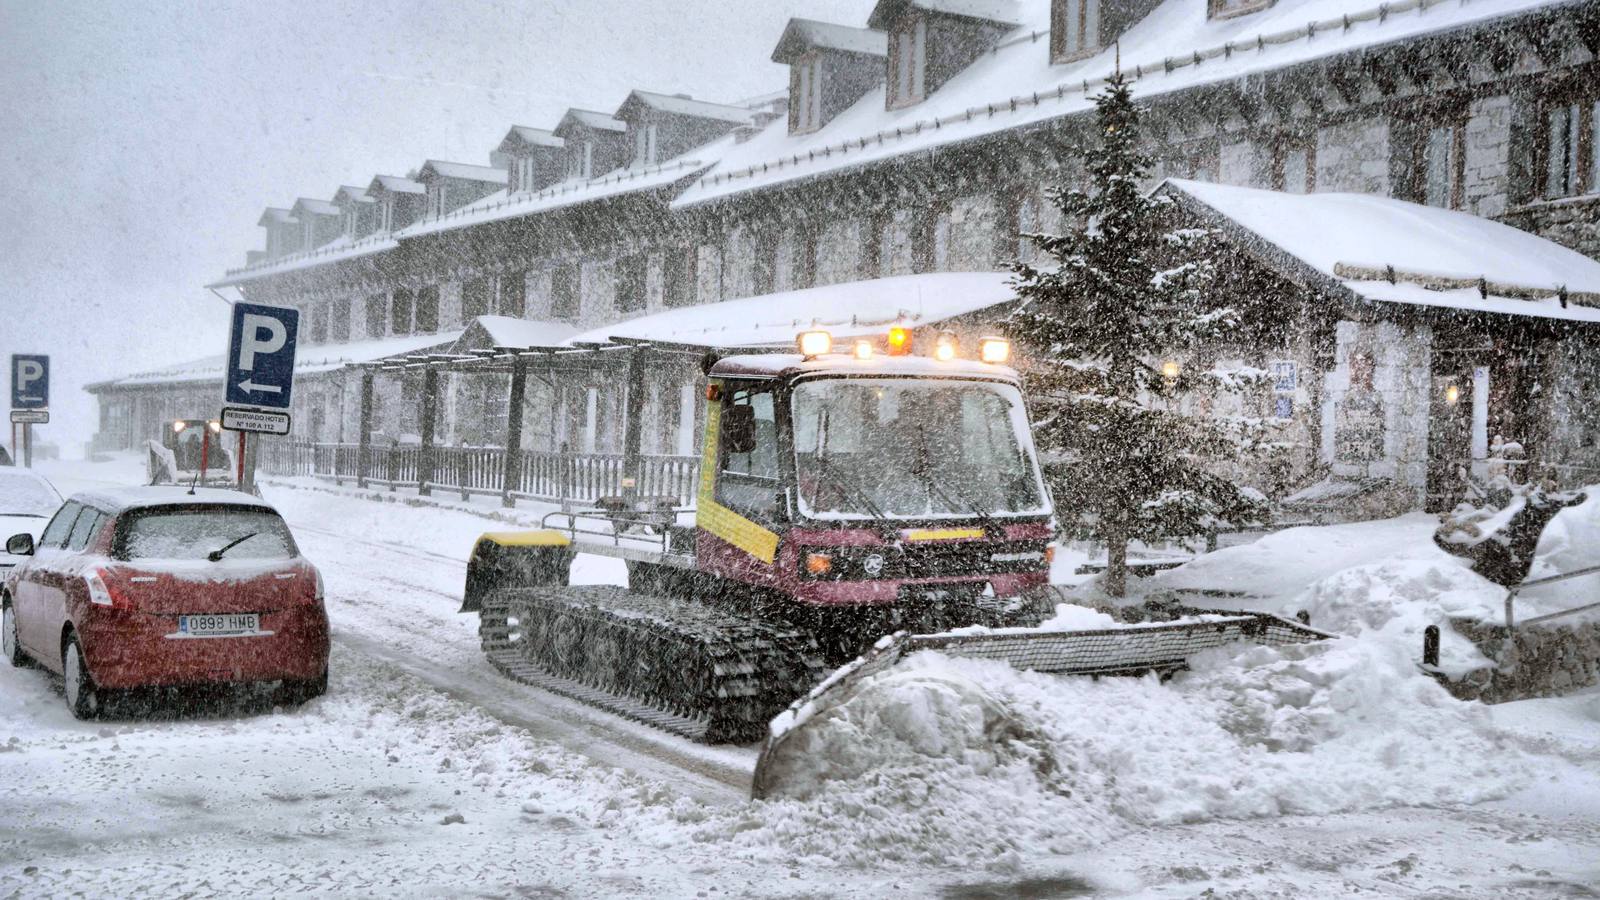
x=190, y=450
x=841, y=498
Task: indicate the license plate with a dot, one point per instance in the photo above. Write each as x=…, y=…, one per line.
x=219, y=625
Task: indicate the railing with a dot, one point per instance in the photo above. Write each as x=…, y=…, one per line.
x=540, y=475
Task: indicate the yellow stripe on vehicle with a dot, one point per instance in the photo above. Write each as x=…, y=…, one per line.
x=717, y=519
x=543, y=538
x=942, y=534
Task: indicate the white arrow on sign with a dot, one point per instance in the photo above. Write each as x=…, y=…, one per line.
x=252, y=387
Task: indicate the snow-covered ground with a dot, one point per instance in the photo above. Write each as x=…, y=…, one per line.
x=1322, y=771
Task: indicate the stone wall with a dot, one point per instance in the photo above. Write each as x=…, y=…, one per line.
x=1574, y=439
x=1538, y=661
x=1486, y=170
x=1574, y=222
x=1375, y=403
x=1354, y=156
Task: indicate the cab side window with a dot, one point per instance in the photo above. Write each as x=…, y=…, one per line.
x=55, y=534
x=87, y=526
x=748, y=483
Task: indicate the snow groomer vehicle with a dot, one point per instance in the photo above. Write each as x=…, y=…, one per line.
x=866, y=497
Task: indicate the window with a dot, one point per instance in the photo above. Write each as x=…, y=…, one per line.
x=84, y=530
x=1222, y=9
x=55, y=534
x=644, y=145
x=1571, y=164
x=377, y=315
x=763, y=262
x=580, y=163
x=564, y=293
x=513, y=294
x=1440, y=165
x=1074, y=29
x=318, y=315
x=908, y=50
x=631, y=283
x=339, y=325
x=1294, y=164
x=386, y=219
x=436, y=199
x=678, y=269
x=805, y=94
x=428, y=309
x=522, y=174
x=194, y=532
x=749, y=481
x=1027, y=221
x=400, y=312
x=475, y=299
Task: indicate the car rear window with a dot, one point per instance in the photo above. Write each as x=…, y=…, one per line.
x=194, y=532
x=27, y=495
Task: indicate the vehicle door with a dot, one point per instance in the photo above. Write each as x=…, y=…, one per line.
x=748, y=493
x=67, y=572
x=36, y=579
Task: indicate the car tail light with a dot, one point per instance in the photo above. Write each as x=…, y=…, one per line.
x=317, y=575
x=99, y=594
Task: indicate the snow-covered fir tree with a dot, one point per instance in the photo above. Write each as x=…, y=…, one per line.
x=1108, y=315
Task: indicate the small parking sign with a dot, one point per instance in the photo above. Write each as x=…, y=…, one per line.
x=30, y=381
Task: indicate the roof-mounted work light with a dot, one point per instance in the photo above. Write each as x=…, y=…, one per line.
x=995, y=350
x=944, y=348
x=863, y=349
x=814, y=343
x=178, y=426
x=899, y=341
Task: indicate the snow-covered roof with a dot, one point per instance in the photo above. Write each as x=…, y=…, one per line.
x=308, y=360
x=466, y=171
x=352, y=194
x=532, y=137
x=993, y=10
x=590, y=119
x=508, y=331
x=806, y=34
x=776, y=364
x=850, y=309
x=276, y=215
x=1174, y=48
x=337, y=250
x=573, y=191
x=681, y=105
x=315, y=207
x=395, y=184
x=1354, y=240
x=116, y=499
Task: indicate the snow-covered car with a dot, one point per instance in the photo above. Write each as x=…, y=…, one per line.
x=146, y=587
x=27, y=501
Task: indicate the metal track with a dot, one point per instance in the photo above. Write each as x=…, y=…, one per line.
x=706, y=672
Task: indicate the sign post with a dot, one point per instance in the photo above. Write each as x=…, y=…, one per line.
x=30, y=398
x=259, y=382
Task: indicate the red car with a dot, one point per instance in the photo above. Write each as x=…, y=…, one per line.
x=161, y=586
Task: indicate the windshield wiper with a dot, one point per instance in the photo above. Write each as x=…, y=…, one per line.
x=216, y=554
x=853, y=493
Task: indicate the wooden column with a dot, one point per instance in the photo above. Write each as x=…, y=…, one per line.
x=430, y=412
x=513, y=458
x=364, y=438
x=633, y=405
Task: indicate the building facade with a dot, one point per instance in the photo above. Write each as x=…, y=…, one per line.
x=926, y=140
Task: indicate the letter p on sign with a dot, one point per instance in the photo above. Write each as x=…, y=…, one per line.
x=30, y=382
x=262, y=334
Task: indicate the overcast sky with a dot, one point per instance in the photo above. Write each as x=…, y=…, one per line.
x=142, y=139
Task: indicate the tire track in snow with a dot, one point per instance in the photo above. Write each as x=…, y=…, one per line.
x=373, y=616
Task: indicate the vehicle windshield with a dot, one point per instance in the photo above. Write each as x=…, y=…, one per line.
x=902, y=448
x=195, y=532
x=27, y=495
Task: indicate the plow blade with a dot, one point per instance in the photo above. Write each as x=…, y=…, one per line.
x=1128, y=650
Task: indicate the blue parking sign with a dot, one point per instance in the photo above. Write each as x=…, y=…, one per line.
x=261, y=343
x=30, y=381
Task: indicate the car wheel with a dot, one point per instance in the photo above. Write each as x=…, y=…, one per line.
x=294, y=693
x=82, y=697
x=8, y=636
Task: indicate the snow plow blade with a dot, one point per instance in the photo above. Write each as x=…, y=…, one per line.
x=1128, y=650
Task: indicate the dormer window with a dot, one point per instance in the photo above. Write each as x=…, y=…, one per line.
x=908, y=55
x=581, y=163
x=1225, y=9
x=1074, y=29
x=644, y=145
x=806, y=89
x=436, y=207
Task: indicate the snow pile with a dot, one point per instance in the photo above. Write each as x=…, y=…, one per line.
x=1571, y=542
x=944, y=759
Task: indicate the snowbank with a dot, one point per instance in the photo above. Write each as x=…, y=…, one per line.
x=942, y=759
